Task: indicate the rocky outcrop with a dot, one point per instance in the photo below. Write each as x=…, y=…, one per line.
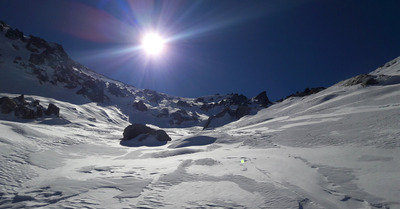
x=140, y=106
x=262, y=99
x=183, y=104
x=135, y=130
x=232, y=114
x=181, y=116
x=235, y=99
x=364, y=80
x=7, y=105
x=242, y=111
x=116, y=90
x=306, y=92
x=14, y=34
x=164, y=113
x=94, y=90
x=27, y=110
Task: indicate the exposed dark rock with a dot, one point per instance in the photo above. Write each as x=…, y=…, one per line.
x=140, y=106
x=24, y=109
x=206, y=107
x=152, y=96
x=7, y=105
x=236, y=99
x=233, y=114
x=38, y=43
x=52, y=110
x=180, y=116
x=242, y=111
x=262, y=99
x=304, y=93
x=40, y=74
x=364, y=80
x=20, y=99
x=3, y=25
x=94, y=90
x=52, y=54
x=36, y=59
x=183, y=104
x=134, y=130
x=14, y=34
x=24, y=112
x=219, y=115
x=163, y=113
x=115, y=90
x=200, y=99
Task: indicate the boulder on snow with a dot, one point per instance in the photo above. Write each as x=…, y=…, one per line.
x=52, y=110
x=134, y=130
x=26, y=110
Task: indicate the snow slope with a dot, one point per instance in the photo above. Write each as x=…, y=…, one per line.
x=338, y=148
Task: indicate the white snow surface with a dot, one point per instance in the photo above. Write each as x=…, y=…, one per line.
x=339, y=148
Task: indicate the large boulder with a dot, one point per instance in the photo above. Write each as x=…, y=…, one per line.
x=52, y=109
x=134, y=130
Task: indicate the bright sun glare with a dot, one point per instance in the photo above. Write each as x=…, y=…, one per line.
x=152, y=43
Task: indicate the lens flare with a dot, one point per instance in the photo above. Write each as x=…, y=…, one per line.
x=153, y=43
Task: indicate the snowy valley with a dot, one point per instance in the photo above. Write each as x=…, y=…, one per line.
x=324, y=148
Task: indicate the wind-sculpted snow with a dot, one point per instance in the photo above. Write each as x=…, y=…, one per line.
x=336, y=148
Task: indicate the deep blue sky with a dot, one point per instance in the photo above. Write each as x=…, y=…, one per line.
x=215, y=46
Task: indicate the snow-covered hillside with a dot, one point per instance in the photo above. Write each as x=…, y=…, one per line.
x=32, y=66
x=338, y=148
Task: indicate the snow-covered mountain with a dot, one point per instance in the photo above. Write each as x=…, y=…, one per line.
x=31, y=65
x=322, y=148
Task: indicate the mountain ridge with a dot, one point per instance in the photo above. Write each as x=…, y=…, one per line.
x=26, y=58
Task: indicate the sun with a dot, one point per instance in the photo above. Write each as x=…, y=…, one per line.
x=153, y=44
